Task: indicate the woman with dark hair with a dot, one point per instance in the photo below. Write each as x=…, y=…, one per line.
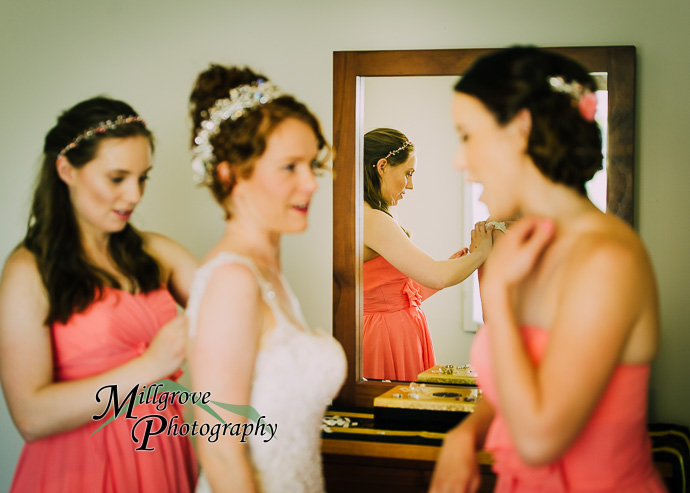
x=86, y=302
x=569, y=295
x=397, y=275
x=258, y=150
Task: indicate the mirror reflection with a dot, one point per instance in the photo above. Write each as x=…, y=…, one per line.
x=417, y=211
x=354, y=75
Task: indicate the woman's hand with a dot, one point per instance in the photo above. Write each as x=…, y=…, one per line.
x=482, y=240
x=168, y=348
x=517, y=254
x=457, y=467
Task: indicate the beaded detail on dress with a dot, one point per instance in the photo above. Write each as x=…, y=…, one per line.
x=296, y=375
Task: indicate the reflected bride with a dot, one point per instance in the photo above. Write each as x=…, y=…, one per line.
x=398, y=275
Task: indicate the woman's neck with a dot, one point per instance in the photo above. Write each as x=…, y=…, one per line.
x=248, y=239
x=558, y=202
x=96, y=246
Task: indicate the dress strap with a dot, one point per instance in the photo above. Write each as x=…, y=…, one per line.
x=203, y=275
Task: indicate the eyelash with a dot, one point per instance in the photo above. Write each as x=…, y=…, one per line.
x=119, y=179
x=314, y=166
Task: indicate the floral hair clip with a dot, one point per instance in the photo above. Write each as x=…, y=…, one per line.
x=402, y=147
x=101, y=128
x=586, y=100
x=242, y=99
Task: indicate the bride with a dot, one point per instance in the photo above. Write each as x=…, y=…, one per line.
x=257, y=150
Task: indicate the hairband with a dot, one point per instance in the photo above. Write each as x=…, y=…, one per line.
x=402, y=147
x=586, y=100
x=101, y=128
x=242, y=99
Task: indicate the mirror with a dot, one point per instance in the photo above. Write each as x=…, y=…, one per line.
x=440, y=211
x=356, y=71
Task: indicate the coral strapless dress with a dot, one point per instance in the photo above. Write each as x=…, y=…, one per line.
x=396, y=340
x=111, y=332
x=613, y=451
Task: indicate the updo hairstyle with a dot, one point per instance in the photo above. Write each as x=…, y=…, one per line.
x=241, y=142
x=564, y=146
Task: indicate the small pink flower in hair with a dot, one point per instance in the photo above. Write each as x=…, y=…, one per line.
x=588, y=106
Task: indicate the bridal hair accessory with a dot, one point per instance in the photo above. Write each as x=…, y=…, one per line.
x=402, y=147
x=101, y=128
x=586, y=99
x=242, y=99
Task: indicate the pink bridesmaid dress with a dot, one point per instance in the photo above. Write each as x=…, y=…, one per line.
x=396, y=341
x=112, y=331
x=613, y=451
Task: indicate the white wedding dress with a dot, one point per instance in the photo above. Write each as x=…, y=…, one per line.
x=296, y=375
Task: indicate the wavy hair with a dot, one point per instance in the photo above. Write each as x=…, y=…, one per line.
x=72, y=283
x=378, y=143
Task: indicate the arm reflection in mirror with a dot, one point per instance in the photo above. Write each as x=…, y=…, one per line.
x=435, y=212
x=397, y=274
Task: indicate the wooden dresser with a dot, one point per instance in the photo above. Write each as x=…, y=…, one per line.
x=362, y=460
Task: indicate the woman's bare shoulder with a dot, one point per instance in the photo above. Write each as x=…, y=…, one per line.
x=611, y=251
x=613, y=237
x=21, y=278
x=21, y=263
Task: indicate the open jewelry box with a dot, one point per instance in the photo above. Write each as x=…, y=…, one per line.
x=449, y=374
x=423, y=406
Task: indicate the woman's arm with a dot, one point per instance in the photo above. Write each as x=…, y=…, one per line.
x=604, y=287
x=39, y=406
x=457, y=468
x=383, y=235
x=222, y=357
x=177, y=263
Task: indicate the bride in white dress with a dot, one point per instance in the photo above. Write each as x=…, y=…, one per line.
x=257, y=151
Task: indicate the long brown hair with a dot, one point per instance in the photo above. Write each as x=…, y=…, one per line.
x=378, y=144
x=71, y=281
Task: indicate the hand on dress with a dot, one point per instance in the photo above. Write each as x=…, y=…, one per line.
x=482, y=240
x=167, y=350
x=457, y=467
x=516, y=255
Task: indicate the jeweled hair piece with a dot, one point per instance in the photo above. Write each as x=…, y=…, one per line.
x=402, y=147
x=242, y=99
x=101, y=128
x=585, y=99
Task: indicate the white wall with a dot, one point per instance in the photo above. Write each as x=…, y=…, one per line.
x=148, y=52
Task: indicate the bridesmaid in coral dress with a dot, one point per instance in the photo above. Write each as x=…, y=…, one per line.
x=569, y=295
x=87, y=301
x=397, y=275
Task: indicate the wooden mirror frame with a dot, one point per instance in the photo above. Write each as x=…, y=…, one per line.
x=348, y=66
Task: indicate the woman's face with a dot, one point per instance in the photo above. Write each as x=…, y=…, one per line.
x=489, y=153
x=277, y=194
x=105, y=191
x=396, y=179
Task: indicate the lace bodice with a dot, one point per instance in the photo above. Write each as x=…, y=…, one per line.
x=296, y=375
